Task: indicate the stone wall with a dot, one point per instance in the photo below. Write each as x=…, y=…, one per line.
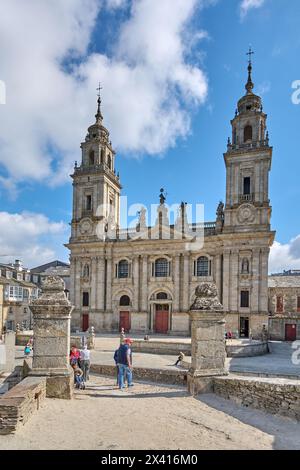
x=272, y=395
x=19, y=403
x=174, y=377
x=161, y=347
x=277, y=326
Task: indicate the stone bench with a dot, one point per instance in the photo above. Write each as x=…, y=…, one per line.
x=20, y=402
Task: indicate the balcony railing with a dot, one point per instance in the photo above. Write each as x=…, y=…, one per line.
x=246, y=198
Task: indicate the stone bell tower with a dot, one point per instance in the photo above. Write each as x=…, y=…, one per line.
x=248, y=162
x=96, y=187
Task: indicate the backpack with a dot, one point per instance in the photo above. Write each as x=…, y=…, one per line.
x=122, y=354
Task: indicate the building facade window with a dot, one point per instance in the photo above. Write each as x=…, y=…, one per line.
x=85, y=299
x=247, y=186
x=88, y=202
x=248, y=133
x=245, y=297
x=109, y=161
x=279, y=304
x=91, y=158
x=122, y=269
x=298, y=304
x=161, y=268
x=124, y=301
x=161, y=296
x=203, y=267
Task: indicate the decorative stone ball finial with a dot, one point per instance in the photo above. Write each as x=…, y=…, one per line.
x=206, y=297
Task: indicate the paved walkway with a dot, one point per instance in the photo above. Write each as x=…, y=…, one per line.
x=150, y=416
x=278, y=362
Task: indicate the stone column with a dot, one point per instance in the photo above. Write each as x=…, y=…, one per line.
x=100, y=284
x=208, y=339
x=93, y=283
x=51, y=339
x=145, y=284
x=186, y=283
x=176, y=282
x=136, y=271
x=108, y=283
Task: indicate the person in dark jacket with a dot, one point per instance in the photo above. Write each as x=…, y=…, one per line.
x=124, y=361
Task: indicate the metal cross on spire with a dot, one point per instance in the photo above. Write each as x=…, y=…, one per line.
x=249, y=85
x=99, y=90
x=250, y=54
x=99, y=115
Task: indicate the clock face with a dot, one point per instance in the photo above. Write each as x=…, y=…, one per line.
x=246, y=214
x=86, y=227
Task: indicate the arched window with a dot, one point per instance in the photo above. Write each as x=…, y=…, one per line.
x=203, y=267
x=161, y=267
x=162, y=296
x=123, y=269
x=86, y=271
x=109, y=161
x=124, y=301
x=92, y=158
x=247, y=133
x=245, y=266
x=102, y=155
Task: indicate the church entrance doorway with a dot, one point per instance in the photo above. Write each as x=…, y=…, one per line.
x=244, y=327
x=85, y=321
x=161, y=318
x=124, y=321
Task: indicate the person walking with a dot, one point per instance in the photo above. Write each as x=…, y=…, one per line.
x=124, y=359
x=85, y=362
x=74, y=355
x=122, y=336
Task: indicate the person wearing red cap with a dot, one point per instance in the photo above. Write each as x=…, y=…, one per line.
x=124, y=359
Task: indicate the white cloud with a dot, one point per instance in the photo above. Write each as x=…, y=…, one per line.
x=285, y=256
x=247, y=5
x=150, y=81
x=33, y=238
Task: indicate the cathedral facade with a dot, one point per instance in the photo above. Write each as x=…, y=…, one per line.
x=144, y=279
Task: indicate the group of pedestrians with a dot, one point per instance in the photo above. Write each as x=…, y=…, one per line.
x=80, y=363
x=123, y=361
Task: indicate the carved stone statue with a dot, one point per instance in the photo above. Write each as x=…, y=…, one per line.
x=220, y=211
x=162, y=197
x=206, y=297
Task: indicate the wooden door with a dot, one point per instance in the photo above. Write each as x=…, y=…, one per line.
x=124, y=321
x=85, y=321
x=290, y=332
x=161, y=319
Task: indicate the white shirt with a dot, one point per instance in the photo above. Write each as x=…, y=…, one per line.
x=85, y=354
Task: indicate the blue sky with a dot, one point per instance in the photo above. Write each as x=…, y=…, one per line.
x=49, y=108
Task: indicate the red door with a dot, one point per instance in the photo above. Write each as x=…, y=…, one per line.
x=161, y=319
x=124, y=321
x=290, y=332
x=85, y=321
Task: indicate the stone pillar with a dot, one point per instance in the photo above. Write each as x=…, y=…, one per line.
x=176, y=283
x=100, y=284
x=93, y=283
x=145, y=284
x=51, y=339
x=136, y=282
x=186, y=283
x=208, y=339
x=108, y=283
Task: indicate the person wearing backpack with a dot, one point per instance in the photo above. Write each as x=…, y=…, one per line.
x=124, y=362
